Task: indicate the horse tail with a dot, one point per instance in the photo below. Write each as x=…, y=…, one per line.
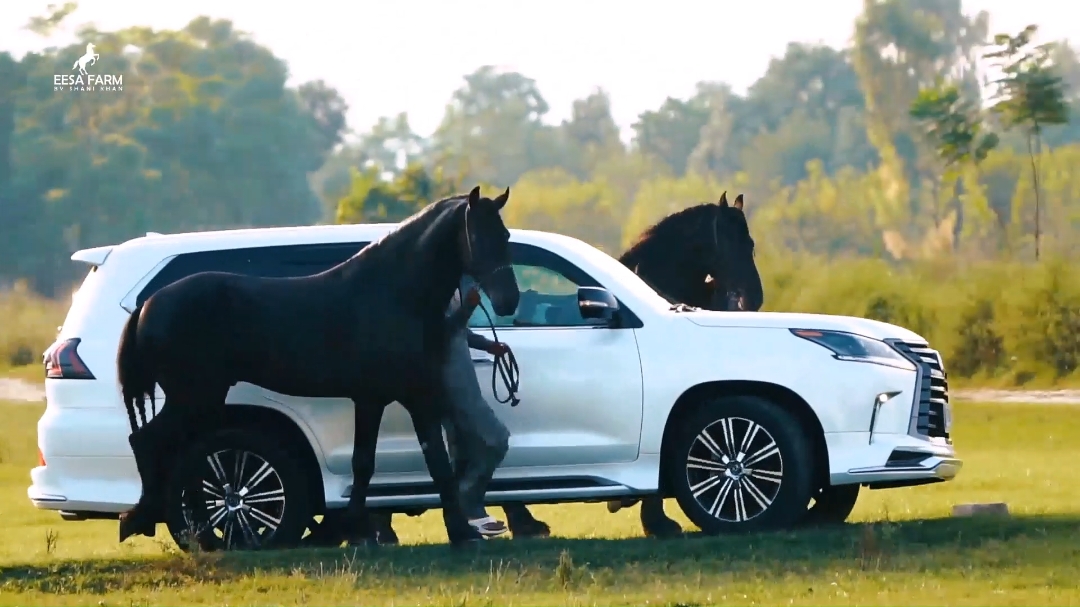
x=136, y=378
x=75, y=65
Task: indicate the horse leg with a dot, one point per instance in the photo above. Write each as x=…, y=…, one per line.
x=522, y=522
x=368, y=418
x=381, y=521
x=150, y=448
x=429, y=433
x=654, y=521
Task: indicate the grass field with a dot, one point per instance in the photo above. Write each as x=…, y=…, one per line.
x=902, y=548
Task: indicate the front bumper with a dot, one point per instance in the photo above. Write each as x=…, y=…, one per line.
x=899, y=460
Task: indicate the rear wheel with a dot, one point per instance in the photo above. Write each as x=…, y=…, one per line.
x=250, y=495
x=740, y=464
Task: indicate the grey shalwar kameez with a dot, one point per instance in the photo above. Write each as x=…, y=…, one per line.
x=478, y=440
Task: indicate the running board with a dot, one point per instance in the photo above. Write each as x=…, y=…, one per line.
x=500, y=491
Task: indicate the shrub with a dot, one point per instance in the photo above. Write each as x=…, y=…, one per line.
x=28, y=324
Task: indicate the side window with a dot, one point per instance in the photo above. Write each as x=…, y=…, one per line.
x=548, y=285
x=270, y=262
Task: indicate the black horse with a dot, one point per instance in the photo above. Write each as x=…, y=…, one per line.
x=372, y=329
x=702, y=256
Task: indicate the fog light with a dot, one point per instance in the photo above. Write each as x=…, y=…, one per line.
x=879, y=400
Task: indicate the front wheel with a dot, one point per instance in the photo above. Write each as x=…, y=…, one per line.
x=740, y=463
x=250, y=495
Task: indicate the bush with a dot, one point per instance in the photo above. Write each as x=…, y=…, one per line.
x=1000, y=322
x=28, y=325
x=991, y=321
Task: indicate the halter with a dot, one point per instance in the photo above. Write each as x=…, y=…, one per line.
x=505, y=364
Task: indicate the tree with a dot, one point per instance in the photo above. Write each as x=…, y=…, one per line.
x=44, y=25
x=591, y=133
x=1029, y=95
x=204, y=134
x=900, y=47
x=671, y=133
x=954, y=128
x=493, y=129
x=374, y=199
x=953, y=125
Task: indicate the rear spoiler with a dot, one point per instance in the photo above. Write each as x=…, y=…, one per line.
x=95, y=256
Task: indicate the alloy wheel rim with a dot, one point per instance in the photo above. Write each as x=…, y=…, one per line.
x=734, y=469
x=243, y=500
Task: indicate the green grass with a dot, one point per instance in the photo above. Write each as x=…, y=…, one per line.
x=902, y=549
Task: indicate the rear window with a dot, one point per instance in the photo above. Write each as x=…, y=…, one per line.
x=270, y=262
x=83, y=297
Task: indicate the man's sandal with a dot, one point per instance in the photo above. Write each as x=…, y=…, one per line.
x=489, y=526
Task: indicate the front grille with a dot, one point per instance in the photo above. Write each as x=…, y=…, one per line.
x=933, y=386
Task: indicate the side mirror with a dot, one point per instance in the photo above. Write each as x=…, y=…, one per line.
x=598, y=303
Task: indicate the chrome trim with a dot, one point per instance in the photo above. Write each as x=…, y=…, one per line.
x=132, y=296
x=937, y=466
x=879, y=402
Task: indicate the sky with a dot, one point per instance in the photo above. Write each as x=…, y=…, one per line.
x=410, y=55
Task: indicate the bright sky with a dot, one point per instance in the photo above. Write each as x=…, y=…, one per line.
x=388, y=56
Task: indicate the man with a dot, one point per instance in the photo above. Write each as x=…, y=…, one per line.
x=478, y=440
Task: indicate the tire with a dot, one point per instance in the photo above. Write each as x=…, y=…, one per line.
x=737, y=498
x=267, y=471
x=832, y=505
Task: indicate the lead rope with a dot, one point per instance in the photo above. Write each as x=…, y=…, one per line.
x=505, y=365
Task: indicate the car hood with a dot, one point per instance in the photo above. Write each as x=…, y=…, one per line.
x=788, y=320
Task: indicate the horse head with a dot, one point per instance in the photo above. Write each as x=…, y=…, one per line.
x=736, y=284
x=485, y=243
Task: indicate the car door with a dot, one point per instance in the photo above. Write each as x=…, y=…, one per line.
x=580, y=380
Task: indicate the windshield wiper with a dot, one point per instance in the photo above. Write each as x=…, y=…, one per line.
x=681, y=307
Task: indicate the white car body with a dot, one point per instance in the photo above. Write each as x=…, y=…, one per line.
x=595, y=401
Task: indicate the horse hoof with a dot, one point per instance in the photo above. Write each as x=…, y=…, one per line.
x=470, y=543
x=362, y=542
x=536, y=529
x=663, y=529
x=132, y=523
x=388, y=539
x=614, y=506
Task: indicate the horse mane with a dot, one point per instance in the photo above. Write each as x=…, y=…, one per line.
x=671, y=229
x=414, y=227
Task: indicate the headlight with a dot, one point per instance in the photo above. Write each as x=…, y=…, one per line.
x=856, y=348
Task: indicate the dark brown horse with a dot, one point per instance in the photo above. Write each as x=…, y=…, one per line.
x=702, y=256
x=371, y=329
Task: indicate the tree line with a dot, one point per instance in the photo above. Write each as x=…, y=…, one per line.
x=887, y=148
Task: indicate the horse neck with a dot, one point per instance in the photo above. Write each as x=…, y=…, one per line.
x=664, y=272
x=433, y=264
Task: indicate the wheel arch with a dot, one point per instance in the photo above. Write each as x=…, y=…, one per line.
x=293, y=439
x=791, y=402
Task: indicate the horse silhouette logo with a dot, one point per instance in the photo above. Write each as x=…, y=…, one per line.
x=89, y=58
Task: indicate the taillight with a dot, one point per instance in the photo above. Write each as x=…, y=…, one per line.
x=40, y=458
x=62, y=361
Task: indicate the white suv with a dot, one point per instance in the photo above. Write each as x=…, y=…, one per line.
x=744, y=417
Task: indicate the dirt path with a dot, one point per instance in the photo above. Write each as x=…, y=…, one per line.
x=1041, y=397
x=20, y=390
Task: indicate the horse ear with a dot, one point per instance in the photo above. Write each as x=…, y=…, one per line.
x=723, y=199
x=500, y=201
x=474, y=196
x=738, y=202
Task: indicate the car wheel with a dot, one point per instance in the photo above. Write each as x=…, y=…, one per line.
x=740, y=464
x=252, y=495
x=832, y=504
